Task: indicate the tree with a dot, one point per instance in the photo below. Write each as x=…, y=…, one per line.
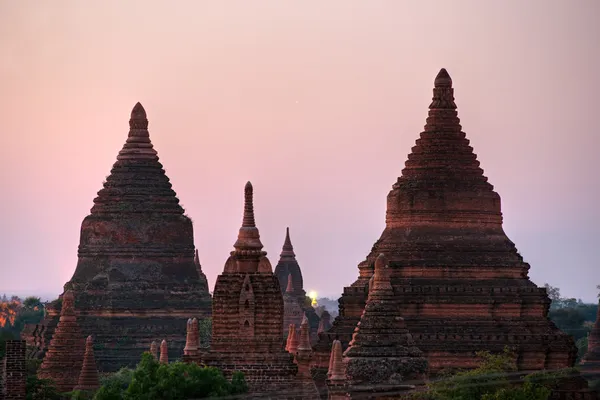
x=554, y=295
x=152, y=380
x=570, y=320
x=582, y=346
x=205, y=331
x=490, y=381
x=598, y=287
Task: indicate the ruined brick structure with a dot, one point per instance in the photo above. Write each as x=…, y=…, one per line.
x=13, y=371
x=382, y=355
x=293, y=313
x=136, y=278
x=286, y=267
x=64, y=358
x=460, y=283
x=88, y=377
x=248, y=314
x=590, y=364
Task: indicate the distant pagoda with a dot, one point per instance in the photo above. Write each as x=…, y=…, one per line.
x=459, y=281
x=136, y=278
x=286, y=267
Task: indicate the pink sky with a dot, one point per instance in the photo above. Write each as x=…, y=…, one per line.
x=317, y=103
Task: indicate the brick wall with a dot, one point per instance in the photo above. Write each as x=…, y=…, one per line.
x=15, y=371
x=2, y=378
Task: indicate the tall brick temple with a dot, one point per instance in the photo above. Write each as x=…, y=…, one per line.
x=248, y=314
x=459, y=281
x=136, y=279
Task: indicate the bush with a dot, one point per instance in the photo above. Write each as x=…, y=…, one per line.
x=41, y=389
x=490, y=381
x=152, y=380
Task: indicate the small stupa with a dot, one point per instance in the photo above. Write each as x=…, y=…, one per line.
x=64, y=358
x=88, y=377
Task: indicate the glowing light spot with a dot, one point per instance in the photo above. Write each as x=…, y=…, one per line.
x=313, y=298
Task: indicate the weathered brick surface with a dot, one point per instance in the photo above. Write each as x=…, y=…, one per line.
x=64, y=358
x=88, y=377
x=590, y=364
x=136, y=277
x=248, y=315
x=460, y=282
x=15, y=370
x=382, y=352
x=2, y=378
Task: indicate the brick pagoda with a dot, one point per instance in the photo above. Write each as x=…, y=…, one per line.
x=136, y=278
x=590, y=364
x=382, y=355
x=88, y=377
x=64, y=358
x=286, y=267
x=460, y=283
x=248, y=314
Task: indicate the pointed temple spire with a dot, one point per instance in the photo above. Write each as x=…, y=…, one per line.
x=336, y=365
x=288, y=249
x=66, y=351
x=88, y=377
x=137, y=161
x=248, y=220
x=248, y=236
x=154, y=349
x=287, y=266
x=164, y=352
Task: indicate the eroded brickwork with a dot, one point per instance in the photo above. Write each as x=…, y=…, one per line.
x=88, y=377
x=64, y=358
x=248, y=314
x=460, y=282
x=136, y=278
x=15, y=370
